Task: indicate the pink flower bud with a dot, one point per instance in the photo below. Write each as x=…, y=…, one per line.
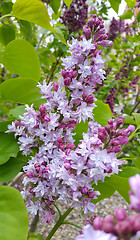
x=110, y=122
x=123, y=140
x=123, y=228
x=30, y=174
x=84, y=190
x=97, y=223
x=70, y=146
x=90, y=99
x=40, y=175
x=90, y=22
x=48, y=203
x=47, y=118
x=131, y=128
x=91, y=194
x=74, y=74
x=60, y=140
x=64, y=73
x=55, y=86
x=17, y=123
x=52, y=211
x=67, y=81
x=67, y=166
x=42, y=109
x=117, y=149
x=46, y=170
x=120, y=214
x=86, y=31
x=107, y=227
x=84, y=96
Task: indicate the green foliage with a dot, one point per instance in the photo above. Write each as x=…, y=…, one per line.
x=3, y=125
x=105, y=188
x=130, y=3
x=25, y=29
x=7, y=33
x=80, y=128
x=55, y=5
x=120, y=181
x=68, y=2
x=121, y=185
x=13, y=215
x=32, y=11
x=136, y=161
x=102, y=113
x=19, y=57
x=16, y=112
x=127, y=15
x=12, y=167
x=6, y=8
x=137, y=118
x=115, y=4
x=59, y=35
x=8, y=147
x=25, y=91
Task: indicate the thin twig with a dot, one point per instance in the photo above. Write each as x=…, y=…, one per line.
x=15, y=180
x=40, y=40
x=34, y=223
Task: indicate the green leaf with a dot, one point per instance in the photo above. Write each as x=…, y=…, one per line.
x=55, y=5
x=138, y=16
x=130, y=3
x=59, y=35
x=68, y=2
x=13, y=215
x=3, y=125
x=6, y=8
x=7, y=34
x=32, y=11
x=121, y=185
x=25, y=29
x=128, y=172
x=25, y=91
x=137, y=118
x=136, y=161
x=21, y=58
x=115, y=4
x=8, y=147
x=12, y=167
x=120, y=181
x=127, y=15
x=129, y=119
x=102, y=113
x=79, y=129
x=16, y=112
x=105, y=189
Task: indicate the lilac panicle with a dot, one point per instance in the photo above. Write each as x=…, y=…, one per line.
x=58, y=169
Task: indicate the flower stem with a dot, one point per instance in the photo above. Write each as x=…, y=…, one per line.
x=70, y=223
x=7, y=15
x=57, y=209
x=59, y=223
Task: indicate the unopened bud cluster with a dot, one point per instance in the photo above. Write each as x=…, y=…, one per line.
x=113, y=136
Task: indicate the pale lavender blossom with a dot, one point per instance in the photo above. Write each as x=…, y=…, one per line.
x=134, y=194
x=89, y=234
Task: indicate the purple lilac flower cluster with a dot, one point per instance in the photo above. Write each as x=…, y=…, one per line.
x=57, y=169
x=113, y=136
x=115, y=28
x=75, y=17
x=119, y=226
